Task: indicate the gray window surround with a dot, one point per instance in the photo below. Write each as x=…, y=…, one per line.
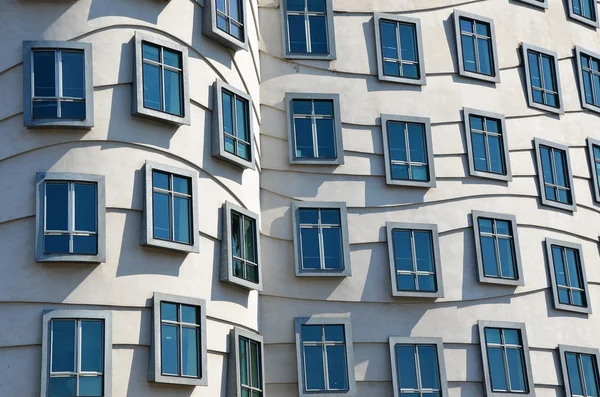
x=562, y=350
x=536, y=3
x=155, y=365
x=429, y=147
x=524, y=49
x=578, y=52
x=218, y=140
x=226, y=271
x=591, y=142
x=234, y=387
x=526, y=357
x=210, y=29
x=137, y=89
x=482, y=278
x=99, y=180
x=325, y=319
x=594, y=23
x=341, y=206
x=482, y=174
x=147, y=232
x=549, y=242
x=104, y=315
x=459, y=50
x=390, y=226
x=377, y=17
x=542, y=142
x=339, y=147
x=330, y=35
x=439, y=344
x=28, y=120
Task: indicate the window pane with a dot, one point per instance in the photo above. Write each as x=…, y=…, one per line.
x=507, y=264
x=483, y=28
x=503, y=227
x=332, y=246
x=574, y=376
x=396, y=141
x=222, y=23
x=597, y=88
x=85, y=207
x=326, y=138
x=496, y=156
x=316, y=5
x=297, y=33
x=44, y=74
x=315, y=377
x=168, y=311
x=427, y=283
x=189, y=314
x=400, y=171
x=497, y=366
x=73, y=74
x=227, y=113
x=410, y=70
x=182, y=220
x=488, y=251
x=91, y=386
x=241, y=114
x=563, y=296
x=173, y=91
x=189, y=351
x=590, y=374
x=323, y=108
x=389, y=42
x=561, y=175
x=243, y=361
x=301, y=106
x=485, y=225
x=161, y=215
x=312, y=333
x=423, y=249
x=492, y=335
x=243, y=150
x=391, y=68
x=548, y=67
x=552, y=100
x=238, y=268
x=310, y=248
x=466, y=25
x=515, y=370
x=61, y=387
x=429, y=367
x=152, y=87
x=72, y=110
x=63, y=345
x=485, y=56
x=181, y=184
x=334, y=333
x=573, y=266
x=546, y=165
x=534, y=70
x=255, y=365
x=295, y=5
x=172, y=58
x=309, y=216
x=235, y=10
x=468, y=47
x=318, y=34
x=416, y=143
x=402, y=250
x=169, y=349
x=304, y=137
x=150, y=52
x=330, y=217
x=408, y=42
x=406, y=282
x=249, y=239
x=57, y=206
x=160, y=180
x=407, y=367
x=512, y=336
x=336, y=367
x=236, y=238
x=45, y=110
x=479, y=154
x=56, y=244
x=92, y=342
x=559, y=268
x=252, y=273
x=587, y=87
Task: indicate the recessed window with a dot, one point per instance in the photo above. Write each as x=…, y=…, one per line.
x=399, y=49
x=308, y=29
x=580, y=370
x=567, y=273
x=179, y=343
x=543, y=82
x=247, y=353
x=554, y=175
x=58, y=84
x=415, y=257
x=408, y=151
x=476, y=44
x=588, y=65
x=584, y=11
x=594, y=157
x=225, y=22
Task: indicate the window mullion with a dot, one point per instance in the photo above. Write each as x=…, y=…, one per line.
x=581, y=375
x=399, y=46
x=542, y=80
x=413, y=250
x=553, y=165
x=71, y=214
x=567, y=275
x=242, y=245
x=58, y=81
x=476, y=47
x=505, y=356
x=307, y=29
x=314, y=130
x=488, y=156
x=497, y=248
x=321, y=243
x=407, y=148
x=325, y=363
x=180, y=344
x=77, y=354
x=234, y=122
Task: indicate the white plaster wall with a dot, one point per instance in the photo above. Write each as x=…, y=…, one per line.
x=117, y=147
x=360, y=182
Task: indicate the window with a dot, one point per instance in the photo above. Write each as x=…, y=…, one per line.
x=161, y=88
x=76, y=353
x=567, y=274
x=506, y=362
x=170, y=208
x=594, y=155
x=497, y=248
x=588, y=65
x=584, y=11
x=580, y=370
x=314, y=128
x=399, y=49
x=308, y=29
x=225, y=22
x=179, y=341
x=415, y=259
x=543, y=79
x=70, y=217
x=408, y=151
x=246, y=363
x=476, y=45
x=325, y=357
x=58, y=86
x=554, y=175
x=232, y=126
x=321, y=239
x=537, y=3
x=240, y=259
x=418, y=367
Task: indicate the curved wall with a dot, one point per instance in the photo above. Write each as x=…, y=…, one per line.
x=117, y=147
x=361, y=183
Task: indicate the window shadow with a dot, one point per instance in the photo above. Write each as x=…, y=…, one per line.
x=144, y=10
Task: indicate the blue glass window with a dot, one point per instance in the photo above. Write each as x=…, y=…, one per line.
x=590, y=70
x=243, y=245
x=76, y=358
x=488, y=144
x=314, y=129
x=585, y=9
x=568, y=274
x=543, y=79
x=497, y=248
x=324, y=357
x=506, y=360
x=418, y=370
x=236, y=125
x=163, y=79
x=408, y=151
x=556, y=177
x=58, y=84
x=476, y=43
x=414, y=260
x=399, y=49
x=582, y=371
x=230, y=17
x=321, y=239
x=250, y=368
x=596, y=163
x=180, y=340
x=307, y=27
x=172, y=207
x=71, y=217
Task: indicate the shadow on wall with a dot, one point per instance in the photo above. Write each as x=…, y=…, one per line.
x=145, y=10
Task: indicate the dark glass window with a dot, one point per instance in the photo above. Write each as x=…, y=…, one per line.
x=408, y=151
x=414, y=260
x=418, y=370
x=71, y=218
x=476, y=42
x=76, y=358
x=314, y=128
x=506, y=360
x=582, y=370
x=543, y=79
x=487, y=144
x=172, y=207
x=321, y=239
x=236, y=125
x=497, y=248
x=399, y=49
x=243, y=244
x=569, y=279
x=585, y=8
x=556, y=177
x=180, y=340
x=590, y=70
x=58, y=84
x=324, y=357
x=596, y=163
x=230, y=17
x=163, y=79
x=307, y=27
x=250, y=368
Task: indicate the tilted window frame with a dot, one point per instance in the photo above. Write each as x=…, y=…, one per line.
x=211, y=30
x=416, y=341
x=459, y=48
x=377, y=17
x=539, y=106
x=325, y=320
x=40, y=215
x=147, y=233
x=226, y=271
x=345, y=238
x=562, y=350
x=591, y=142
x=528, y=375
x=234, y=381
x=548, y=243
x=540, y=175
x=337, y=120
x=589, y=22
x=155, y=366
x=435, y=246
x=540, y=4
x=28, y=120
x=578, y=52
x=67, y=314
x=137, y=89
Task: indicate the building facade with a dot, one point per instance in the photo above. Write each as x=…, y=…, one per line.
x=299, y=198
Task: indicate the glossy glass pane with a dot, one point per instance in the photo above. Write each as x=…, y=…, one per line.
x=429, y=367
x=168, y=311
x=173, y=92
x=161, y=214
x=152, y=87
x=160, y=180
x=391, y=68
x=315, y=376
x=492, y=335
x=73, y=74
x=334, y=333
x=249, y=239
x=466, y=25
x=92, y=346
x=427, y=283
x=302, y=107
x=181, y=184
x=597, y=88
x=91, y=386
x=485, y=225
x=410, y=71
x=559, y=163
x=45, y=110
x=549, y=75
x=496, y=155
x=587, y=87
x=222, y=23
x=243, y=150
x=590, y=373
x=172, y=58
x=241, y=114
x=507, y=260
x=574, y=271
x=419, y=173
x=61, y=387
x=244, y=352
x=512, y=336
x=468, y=48
x=552, y=100
x=182, y=218
x=416, y=143
x=169, y=349
x=63, y=345
x=408, y=42
x=332, y=246
x=479, y=152
x=476, y=123
x=308, y=216
x=326, y=138
x=497, y=369
x=255, y=365
x=296, y=5
x=297, y=34
x=330, y=217
x=574, y=375
x=400, y=171
x=546, y=165
x=537, y=96
x=227, y=103
x=483, y=29
x=407, y=367
x=396, y=141
x=304, y=137
x=310, y=248
x=578, y=298
x=596, y=152
x=238, y=268
x=402, y=250
x=424, y=251
x=85, y=207
x=189, y=351
x=503, y=227
x=516, y=370
x=323, y=108
x=490, y=261
x=485, y=56
x=57, y=206
x=559, y=268
x=72, y=110
x=44, y=74
x=406, y=282
x=312, y=333
x=318, y=34
x=189, y=314
x=150, y=52
x=534, y=70
x=564, y=196
x=236, y=238
x=252, y=273
x=389, y=41
x=54, y=244
x=316, y=5
x=336, y=367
